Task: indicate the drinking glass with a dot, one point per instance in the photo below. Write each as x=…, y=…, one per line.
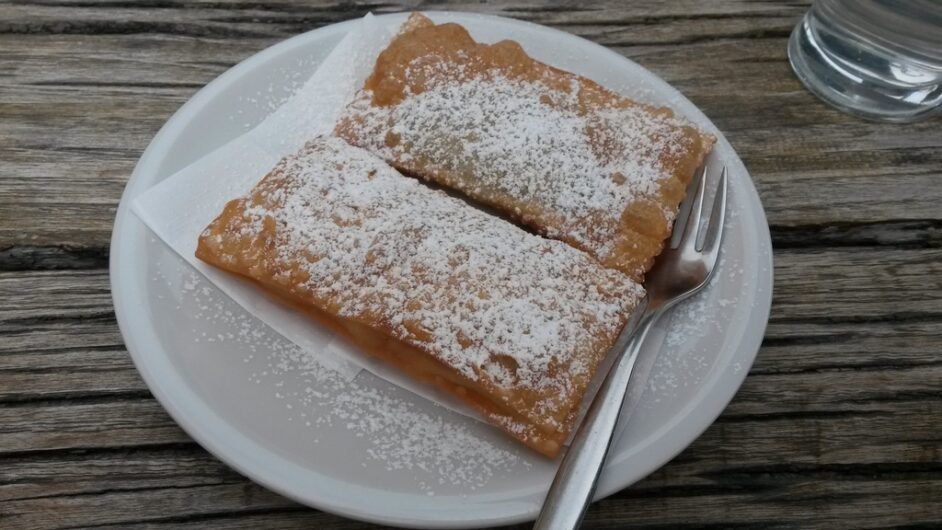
x=879, y=59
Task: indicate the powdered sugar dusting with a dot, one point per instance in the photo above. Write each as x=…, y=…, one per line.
x=686, y=357
x=401, y=436
x=535, y=144
x=488, y=299
x=437, y=447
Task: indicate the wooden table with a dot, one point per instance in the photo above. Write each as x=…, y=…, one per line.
x=839, y=423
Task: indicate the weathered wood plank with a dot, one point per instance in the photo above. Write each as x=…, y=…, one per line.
x=858, y=284
x=776, y=499
x=33, y=426
x=193, y=503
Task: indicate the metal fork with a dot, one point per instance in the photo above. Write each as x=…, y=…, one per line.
x=678, y=273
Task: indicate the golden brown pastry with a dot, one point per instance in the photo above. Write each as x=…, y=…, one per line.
x=513, y=324
x=546, y=147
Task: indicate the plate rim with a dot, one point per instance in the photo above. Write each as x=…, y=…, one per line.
x=207, y=435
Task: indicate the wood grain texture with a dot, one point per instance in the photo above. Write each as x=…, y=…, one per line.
x=839, y=423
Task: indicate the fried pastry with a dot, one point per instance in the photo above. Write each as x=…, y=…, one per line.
x=547, y=148
x=513, y=324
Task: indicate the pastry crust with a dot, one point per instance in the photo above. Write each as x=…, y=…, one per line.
x=512, y=324
x=545, y=147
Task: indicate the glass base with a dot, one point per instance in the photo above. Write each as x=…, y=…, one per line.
x=828, y=67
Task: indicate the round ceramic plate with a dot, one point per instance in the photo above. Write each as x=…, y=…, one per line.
x=366, y=449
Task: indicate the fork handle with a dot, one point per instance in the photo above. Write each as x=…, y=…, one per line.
x=571, y=492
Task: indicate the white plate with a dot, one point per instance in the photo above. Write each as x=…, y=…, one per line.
x=221, y=375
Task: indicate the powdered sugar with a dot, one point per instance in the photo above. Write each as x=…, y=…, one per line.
x=535, y=144
x=488, y=299
x=685, y=354
x=434, y=446
x=400, y=434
